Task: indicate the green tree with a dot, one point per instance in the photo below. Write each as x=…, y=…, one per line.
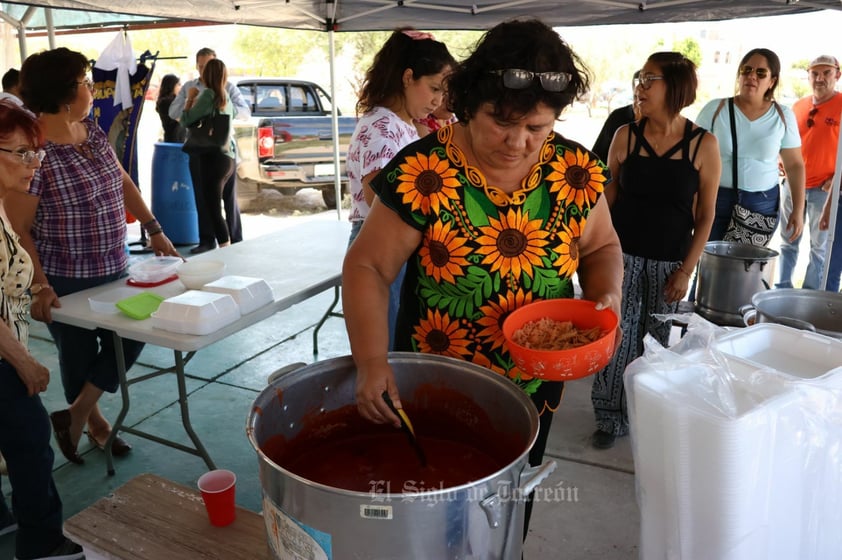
x=690, y=48
x=276, y=52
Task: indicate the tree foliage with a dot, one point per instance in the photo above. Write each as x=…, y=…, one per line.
x=690, y=48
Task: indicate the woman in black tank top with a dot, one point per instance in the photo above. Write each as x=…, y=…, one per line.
x=662, y=205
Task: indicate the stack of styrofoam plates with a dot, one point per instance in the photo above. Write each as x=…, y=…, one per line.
x=736, y=461
x=249, y=293
x=196, y=312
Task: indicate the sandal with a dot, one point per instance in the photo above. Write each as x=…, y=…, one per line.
x=119, y=446
x=61, y=429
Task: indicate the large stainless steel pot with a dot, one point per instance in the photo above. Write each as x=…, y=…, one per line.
x=481, y=520
x=729, y=275
x=814, y=310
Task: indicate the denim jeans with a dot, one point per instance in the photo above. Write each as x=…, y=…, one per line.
x=394, y=288
x=87, y=355
x=25, y=444
x=765, y=202
x=818, y=240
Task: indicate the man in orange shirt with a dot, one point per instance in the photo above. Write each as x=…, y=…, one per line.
x=818, y=117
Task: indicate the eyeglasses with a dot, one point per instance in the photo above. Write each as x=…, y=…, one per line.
x=27, y=156
x=810, y=115
x=645, y=81
x=87, y=82
x=761, y=72
x=516, y=78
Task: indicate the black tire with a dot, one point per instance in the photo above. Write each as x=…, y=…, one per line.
x=329, y=195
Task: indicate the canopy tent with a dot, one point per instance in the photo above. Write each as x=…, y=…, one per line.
x=371, y=15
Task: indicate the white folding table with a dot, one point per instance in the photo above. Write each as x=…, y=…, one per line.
x=298, y=262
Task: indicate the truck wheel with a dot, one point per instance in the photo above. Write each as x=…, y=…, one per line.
x=329, y=195
x=247, y=191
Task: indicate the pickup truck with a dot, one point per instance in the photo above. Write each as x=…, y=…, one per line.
x=287, y=144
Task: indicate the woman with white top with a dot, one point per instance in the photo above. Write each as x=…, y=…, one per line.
x=765, y=131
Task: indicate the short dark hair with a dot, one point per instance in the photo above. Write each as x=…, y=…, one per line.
x=384, y=78
x=14, y=118
x=49, y=79
x=774, y=68
x=680, y=78
x=11, y=79
x=205, y=51
x=528, y=44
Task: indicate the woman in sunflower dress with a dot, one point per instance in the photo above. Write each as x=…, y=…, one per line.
x=490, y=214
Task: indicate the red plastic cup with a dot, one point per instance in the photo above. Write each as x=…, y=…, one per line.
x=218, y=491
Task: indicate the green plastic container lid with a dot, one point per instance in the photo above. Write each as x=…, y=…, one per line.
x=140, y=306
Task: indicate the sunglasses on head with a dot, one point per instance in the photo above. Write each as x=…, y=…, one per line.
x=810, y=115
x=516, y=78
x=745, y=70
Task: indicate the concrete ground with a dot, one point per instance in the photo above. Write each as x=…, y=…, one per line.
x=589, y=514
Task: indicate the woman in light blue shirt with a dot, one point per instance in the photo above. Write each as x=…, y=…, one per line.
x=765, y=132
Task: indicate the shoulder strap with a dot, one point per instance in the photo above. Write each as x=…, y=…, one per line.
x=733, y=143
x=716, y=113
x=780, y=112
x=697, y=132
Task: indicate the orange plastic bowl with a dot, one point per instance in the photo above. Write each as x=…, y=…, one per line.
x=562, y=365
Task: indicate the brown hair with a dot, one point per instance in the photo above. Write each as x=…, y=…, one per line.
x=50, y=79
x=680, y=78
x=214, y=77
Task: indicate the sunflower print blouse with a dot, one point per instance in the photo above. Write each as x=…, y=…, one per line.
x=485, y=252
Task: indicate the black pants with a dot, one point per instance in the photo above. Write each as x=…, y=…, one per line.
x=546, y=399
x=229, y=201
x=25, y=444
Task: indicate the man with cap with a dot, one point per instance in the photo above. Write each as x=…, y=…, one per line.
x=818, y=117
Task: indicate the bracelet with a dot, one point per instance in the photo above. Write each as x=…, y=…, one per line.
x=681, y=269
x=155, y=231
x=151, y=224
x=35, y=289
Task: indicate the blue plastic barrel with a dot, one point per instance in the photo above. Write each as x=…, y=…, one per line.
x=172, y=194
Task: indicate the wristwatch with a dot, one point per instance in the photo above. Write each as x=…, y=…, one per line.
x=35, y=289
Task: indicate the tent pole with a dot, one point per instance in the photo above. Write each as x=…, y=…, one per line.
x=335, y=123
x=51, y=28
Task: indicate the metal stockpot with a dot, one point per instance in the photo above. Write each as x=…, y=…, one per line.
x=813, y=310
x=480, y=520
x=729, y=275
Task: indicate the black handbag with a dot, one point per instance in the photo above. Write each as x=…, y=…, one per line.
x=208, y=134
x=746, y=226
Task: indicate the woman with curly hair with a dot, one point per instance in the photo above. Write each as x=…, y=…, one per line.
x=490, y=214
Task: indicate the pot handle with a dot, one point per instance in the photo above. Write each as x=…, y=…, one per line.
x=278, y=373
x=749, y=314
x=534, y=476
x=796, y=323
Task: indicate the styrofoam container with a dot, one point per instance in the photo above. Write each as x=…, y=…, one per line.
x=106, y=301
x=801, y=354
x=249, y=293
x=196, y=312
x=154, y=269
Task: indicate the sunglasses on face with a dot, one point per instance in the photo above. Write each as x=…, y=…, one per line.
x=27, y=156
x=515, y=78
x=810, y=115
x=645, y=82
x=761, y=72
